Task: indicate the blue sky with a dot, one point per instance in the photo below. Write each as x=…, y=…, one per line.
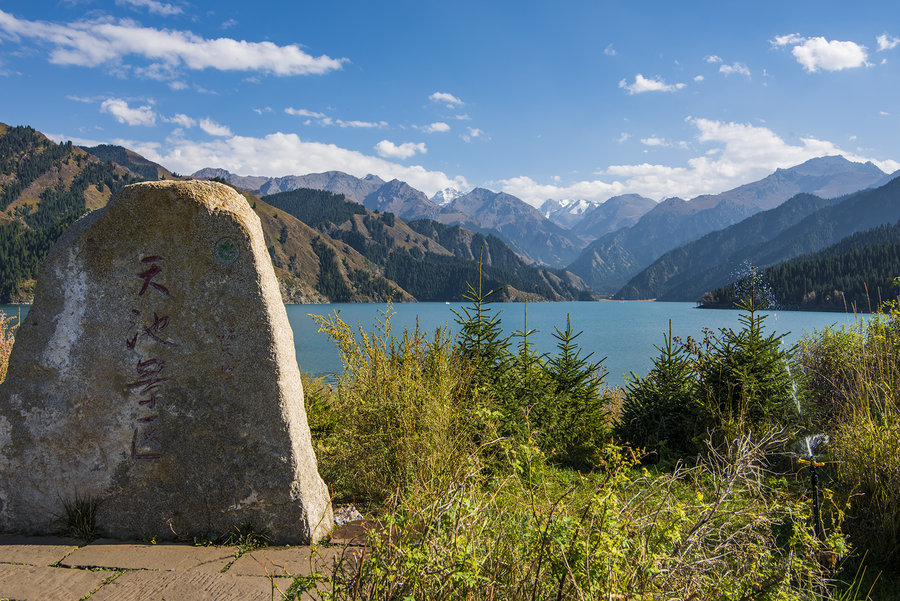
x=539, y=99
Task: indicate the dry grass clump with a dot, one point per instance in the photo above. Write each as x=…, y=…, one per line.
x=7, y=325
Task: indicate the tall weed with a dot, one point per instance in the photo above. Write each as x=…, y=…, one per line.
x=853, y=387
x=395, y=420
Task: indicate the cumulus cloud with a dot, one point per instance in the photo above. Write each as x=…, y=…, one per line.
x=471, y=134
x=623, y=137
x=182, y=120
x=609, y=50
x=280, y=154
x=450, y=100
x=123, y=113
x=739, y=68
x=159, y=8
x=740, y=153
x=389, y=150
x=819, y=53
x=698, y=78
x=103, y=41
x=642, y=84
x=654, y=141
x=887, y=42
x=213, y=128
x=436, y=127
x=712, y=58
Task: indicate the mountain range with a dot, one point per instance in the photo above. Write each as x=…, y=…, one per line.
x=608, y=263
x=341, y=252
x=628, y=246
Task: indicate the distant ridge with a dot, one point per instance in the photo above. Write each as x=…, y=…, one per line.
x=805, y=224
x=608, y=263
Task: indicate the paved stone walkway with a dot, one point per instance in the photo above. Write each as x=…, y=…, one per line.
x=58, y=569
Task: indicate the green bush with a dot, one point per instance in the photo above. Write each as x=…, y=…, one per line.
x=661, y=412
x=744, y=377
x=558, y=401
x=396, y=418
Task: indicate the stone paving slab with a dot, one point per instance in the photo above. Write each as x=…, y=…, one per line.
x=291, y=561
x=190, y=586
x=352, y=533
x=40, y=583
x=164, y=557
x=35, y=550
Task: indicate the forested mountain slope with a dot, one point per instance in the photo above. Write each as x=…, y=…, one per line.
x=856, y=274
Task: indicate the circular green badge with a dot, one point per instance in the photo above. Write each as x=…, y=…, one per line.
x=226, y=251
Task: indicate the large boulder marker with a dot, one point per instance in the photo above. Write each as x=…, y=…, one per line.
x=156, y=374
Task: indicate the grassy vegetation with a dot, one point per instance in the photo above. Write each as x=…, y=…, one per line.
x=499, y=474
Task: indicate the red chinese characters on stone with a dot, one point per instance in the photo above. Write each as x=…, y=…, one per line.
x=149, y=379
x=145, y=443
x=150, y=273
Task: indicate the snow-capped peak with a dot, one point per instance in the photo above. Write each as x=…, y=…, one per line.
x=445, y=196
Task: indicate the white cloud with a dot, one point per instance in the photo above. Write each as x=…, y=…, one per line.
x=887, y=42
x=788, y=40
x=654, y=141
x=389, y=150
x=304, y=113
x=182, y=120
x=323, y=120
x=436, y=127
x=623, y=137
x=118, y=108
x=362, y=124
x=159, y=8
x=451, y=100
x=712, y=58
x=213, y=128
x=471, y=134
x=741, y=153
x=260, y=111
x=698, y=78
x=280, y=154
x=739, y=68
x=92, y=43
x=609, y=50
x=642, y=84
x=818, y=53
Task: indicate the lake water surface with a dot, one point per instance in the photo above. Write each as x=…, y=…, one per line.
x=623, y=332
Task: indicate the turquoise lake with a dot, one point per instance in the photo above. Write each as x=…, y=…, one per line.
x=623, y=332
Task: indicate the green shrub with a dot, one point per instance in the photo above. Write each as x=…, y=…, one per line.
x=744, y=376
x=395, y=419
x=661, y=412
x=557, y=401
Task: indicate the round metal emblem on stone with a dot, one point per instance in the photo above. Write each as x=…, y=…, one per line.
x=226, y=251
